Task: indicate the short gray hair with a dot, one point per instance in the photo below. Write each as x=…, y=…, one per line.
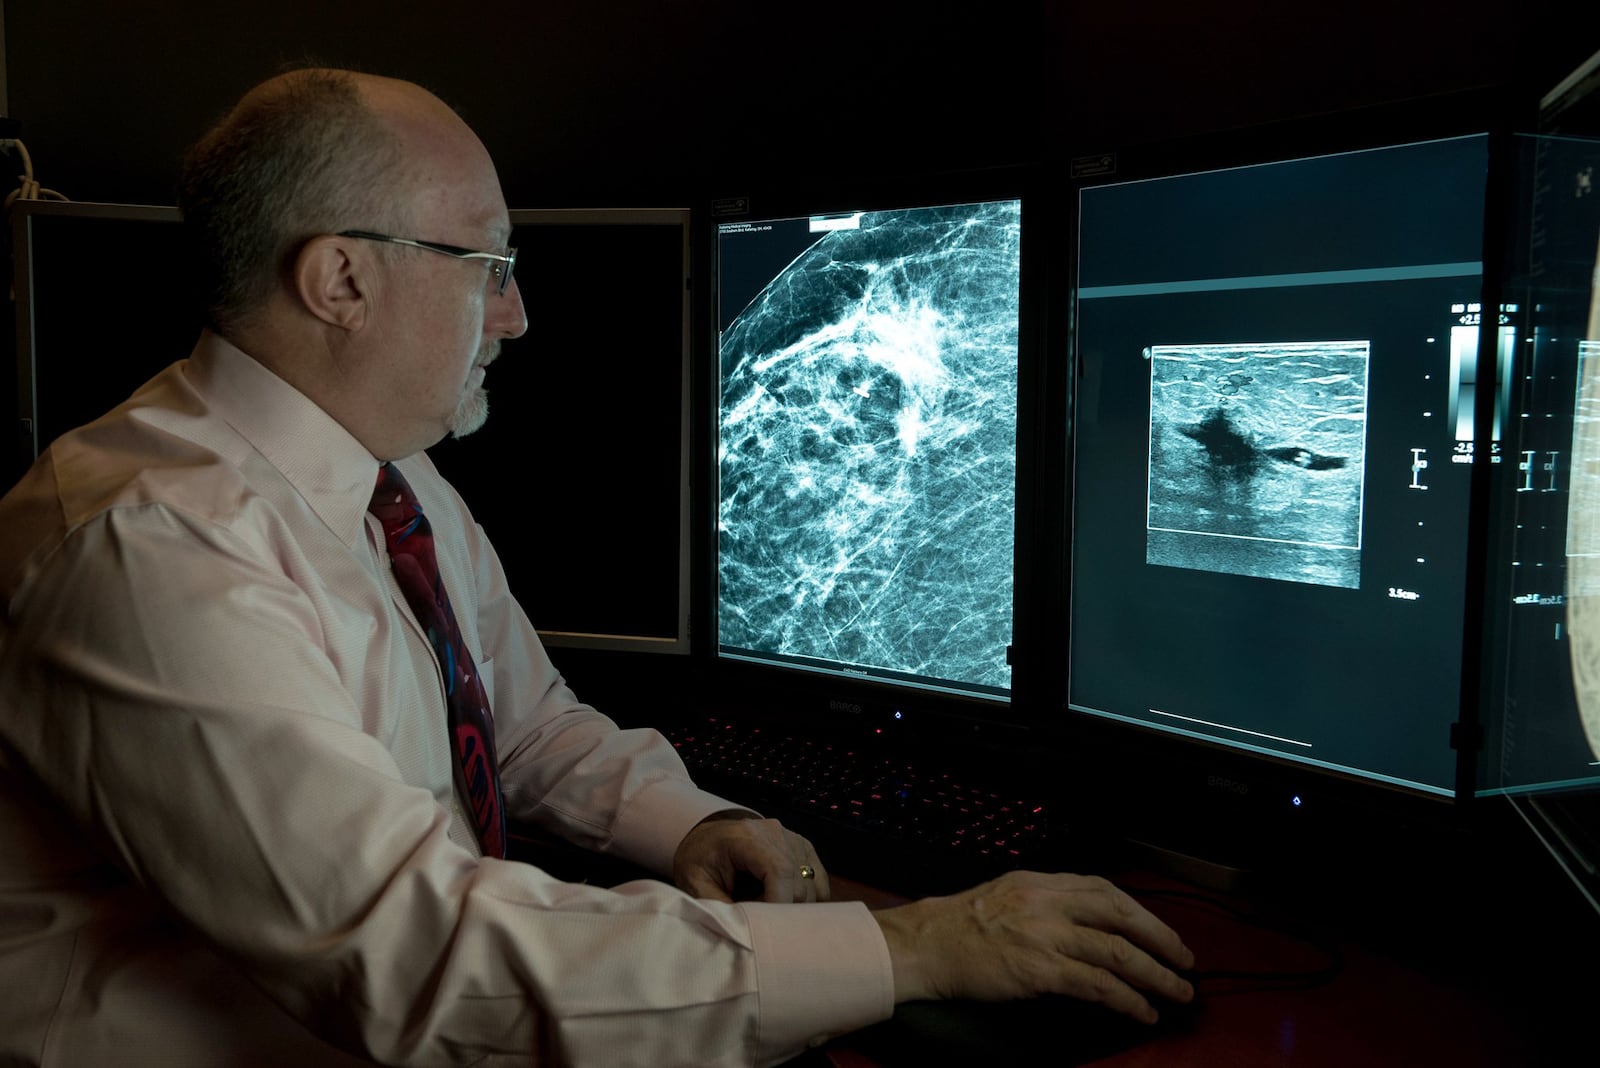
x=306, y=157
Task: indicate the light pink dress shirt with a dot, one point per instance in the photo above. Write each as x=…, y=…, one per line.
x=228, y=833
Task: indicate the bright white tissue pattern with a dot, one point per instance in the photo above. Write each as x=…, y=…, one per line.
x=868, y=449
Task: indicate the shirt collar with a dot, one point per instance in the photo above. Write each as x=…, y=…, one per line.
x=320, y=458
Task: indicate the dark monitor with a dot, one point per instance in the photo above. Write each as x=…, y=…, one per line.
x=867, y=444
x=1274, y=430
x=588, y=422
x=103, y=303
x=581, y=474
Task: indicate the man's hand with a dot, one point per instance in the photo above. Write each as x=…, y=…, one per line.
x=1026, y=934
x=728, y=852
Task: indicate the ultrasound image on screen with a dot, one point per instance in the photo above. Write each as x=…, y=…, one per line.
x=1256, y=459
x=1270, y=493
x=868, y=444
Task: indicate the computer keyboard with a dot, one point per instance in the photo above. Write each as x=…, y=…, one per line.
x=871, y=799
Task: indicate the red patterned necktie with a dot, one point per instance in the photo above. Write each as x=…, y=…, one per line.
x=416, y=569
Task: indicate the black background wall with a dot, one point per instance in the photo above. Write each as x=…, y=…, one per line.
x=628, y=102
x=649, y=103
x=584, y=101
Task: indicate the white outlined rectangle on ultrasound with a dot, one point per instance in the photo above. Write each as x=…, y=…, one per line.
x=1256, y=459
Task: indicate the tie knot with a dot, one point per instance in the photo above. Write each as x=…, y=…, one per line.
x=393, y=502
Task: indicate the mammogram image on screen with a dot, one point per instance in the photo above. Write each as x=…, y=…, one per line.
x=1256, y=459
x=1583, y=544
x=868, y=450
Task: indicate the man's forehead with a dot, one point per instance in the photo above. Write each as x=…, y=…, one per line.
x=455, y=181
x=499, y=234
x=475, y=210
x=448, y=163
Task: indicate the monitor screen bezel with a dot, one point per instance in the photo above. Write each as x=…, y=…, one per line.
x=796, y=692
x=679, y=642
x=1160, y=785
x=1560, y=820
x=23, y=214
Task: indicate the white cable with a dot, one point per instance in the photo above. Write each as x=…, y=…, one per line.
x=29, y=188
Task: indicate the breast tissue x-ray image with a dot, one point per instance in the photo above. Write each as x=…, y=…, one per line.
x=868, y=443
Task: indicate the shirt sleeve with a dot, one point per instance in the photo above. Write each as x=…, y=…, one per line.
x=199, y=732
x=564, y=766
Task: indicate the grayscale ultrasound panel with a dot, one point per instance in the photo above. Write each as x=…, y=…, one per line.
x=1273, y=446
x=868, y=445
x=1256, y=459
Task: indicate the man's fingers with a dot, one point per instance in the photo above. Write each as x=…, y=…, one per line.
x=1096, y=905
x=706, y=883
x=1089, y=983
x=708, y=888
x=1128, y=968
x=1119, y=939
x=820, y=890
x=724, y=858
x=782, y=860
x=779, y=889
x=1027, y=933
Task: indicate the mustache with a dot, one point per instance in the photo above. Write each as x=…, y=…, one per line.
x=487, y=354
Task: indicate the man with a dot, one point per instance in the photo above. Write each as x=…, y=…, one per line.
x=243, y=818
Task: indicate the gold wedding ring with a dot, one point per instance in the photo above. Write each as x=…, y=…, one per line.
x=807, y=872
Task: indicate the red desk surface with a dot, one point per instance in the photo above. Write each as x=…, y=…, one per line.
x=1375, y=1009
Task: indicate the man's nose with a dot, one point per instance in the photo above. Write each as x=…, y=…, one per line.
x=505, y=317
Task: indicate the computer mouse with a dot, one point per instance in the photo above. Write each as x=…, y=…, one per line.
x=1000, y=1032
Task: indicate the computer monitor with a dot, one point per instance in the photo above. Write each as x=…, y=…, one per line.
x=1274, y=427
x=581, y=474
x=866, y=435
x=589, y=416
x=103, y=303
x=1542, y=741
x=1547, y=583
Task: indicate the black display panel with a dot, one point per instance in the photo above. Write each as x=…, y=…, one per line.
x=104, y=301
x=592, y=403
x=1272, y=443
x=867, y=443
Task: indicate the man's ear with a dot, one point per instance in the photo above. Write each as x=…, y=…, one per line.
x=333, y=279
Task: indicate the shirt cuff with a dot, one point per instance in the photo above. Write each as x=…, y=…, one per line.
x=649, y=830
x=821, y=970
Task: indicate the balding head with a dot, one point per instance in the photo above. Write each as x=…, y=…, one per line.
x=297, y=199
x=305, y=153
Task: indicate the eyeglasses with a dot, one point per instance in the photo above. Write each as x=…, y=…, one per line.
x=505, y=262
